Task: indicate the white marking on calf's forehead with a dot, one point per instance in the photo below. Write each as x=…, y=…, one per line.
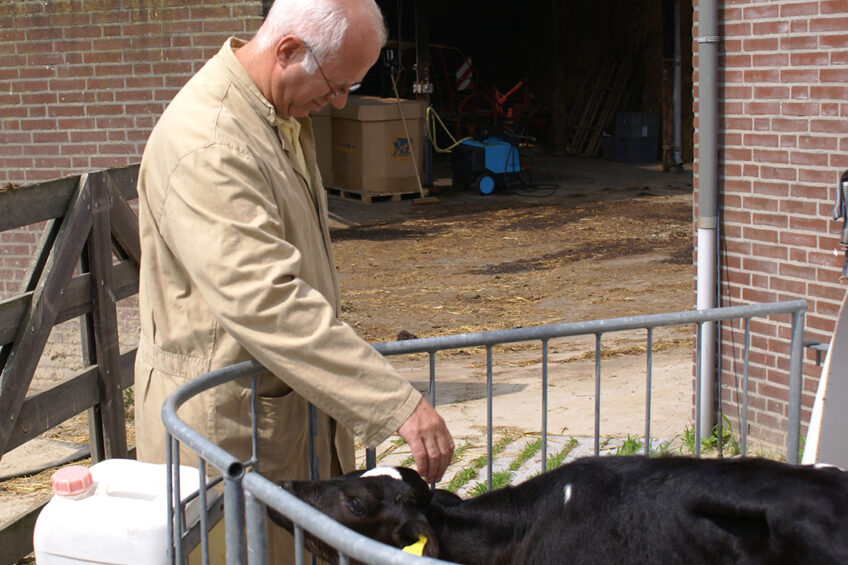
x=566, y=493
x=383, y=472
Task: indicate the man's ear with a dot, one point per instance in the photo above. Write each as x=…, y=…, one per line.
x=290, y=49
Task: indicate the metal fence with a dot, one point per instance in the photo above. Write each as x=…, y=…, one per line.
x=246, y=495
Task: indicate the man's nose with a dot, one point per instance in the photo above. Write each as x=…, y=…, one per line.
x=339, y=101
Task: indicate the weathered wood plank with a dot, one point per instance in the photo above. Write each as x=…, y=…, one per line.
x=77, y=299
x=45, y=246
x=49, y=200
x=36, y=203
x=124, y=223
x=41, y=316
x=51, y=407
x=16, y=536
x=125, y=179
x=105, y=320
x=89, y=358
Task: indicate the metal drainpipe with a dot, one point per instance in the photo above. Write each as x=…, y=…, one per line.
x=708, y=43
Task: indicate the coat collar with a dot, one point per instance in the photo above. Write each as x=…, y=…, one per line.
x=257, y=100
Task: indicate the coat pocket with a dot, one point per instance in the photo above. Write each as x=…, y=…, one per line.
x=283, y=437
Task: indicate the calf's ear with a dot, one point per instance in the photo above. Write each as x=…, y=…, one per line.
x=411, y=530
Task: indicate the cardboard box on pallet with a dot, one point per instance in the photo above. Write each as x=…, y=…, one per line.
x=323, y=130
x=371, y=151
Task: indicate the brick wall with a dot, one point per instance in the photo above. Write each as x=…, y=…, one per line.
x=81, y=84
x=83, y=81
x=783, y=143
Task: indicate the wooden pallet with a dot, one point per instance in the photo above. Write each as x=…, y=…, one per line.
x=367, y=197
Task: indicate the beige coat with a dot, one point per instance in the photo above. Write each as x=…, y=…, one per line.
x=236, y=265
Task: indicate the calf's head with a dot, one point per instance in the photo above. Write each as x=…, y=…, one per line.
x=386, y=504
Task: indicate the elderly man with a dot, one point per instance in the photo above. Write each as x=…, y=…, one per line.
x=236, y=256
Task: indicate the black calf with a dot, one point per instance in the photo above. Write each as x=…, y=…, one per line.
x=610, y=510
x=663, y=510
x=386, y=504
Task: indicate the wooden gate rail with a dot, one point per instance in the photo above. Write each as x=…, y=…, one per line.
x=89, y=225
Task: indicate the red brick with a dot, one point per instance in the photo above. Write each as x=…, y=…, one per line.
x=798, y=76
x=771, y=27
x=804, y=240
x=833, y=41
x=839, y=160
x=798, y=209
x=760, y=140
x=759, y=265
x=800, y=92
x=829, y=92
x=797, y=271
x=830, y=109
x=767, y=156
x=762, y=108
x=770, y=220
x=808, y=159
x=789, y=141
x=833, y=6
x=755, y=295
x=798, y=9
x=790, y=125
x=828, y=24
x=782, y=173
x=838, y=126
x=816, y=142
x=834, y=293
x=770, y=75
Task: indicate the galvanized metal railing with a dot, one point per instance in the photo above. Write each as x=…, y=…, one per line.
x=246, y=495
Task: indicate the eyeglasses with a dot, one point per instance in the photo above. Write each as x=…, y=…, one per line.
x=333, y=92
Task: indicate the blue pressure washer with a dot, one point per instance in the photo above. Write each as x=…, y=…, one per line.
x=486, y=164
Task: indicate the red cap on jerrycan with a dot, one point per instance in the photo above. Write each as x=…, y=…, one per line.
x=71, y=481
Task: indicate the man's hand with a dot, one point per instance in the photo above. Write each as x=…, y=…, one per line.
x=431, y=443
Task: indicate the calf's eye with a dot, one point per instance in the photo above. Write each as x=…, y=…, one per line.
x=355, y=506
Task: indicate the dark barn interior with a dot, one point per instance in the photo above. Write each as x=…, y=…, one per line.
x=557, y=72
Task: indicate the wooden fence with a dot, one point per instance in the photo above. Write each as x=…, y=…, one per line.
x=87, y=261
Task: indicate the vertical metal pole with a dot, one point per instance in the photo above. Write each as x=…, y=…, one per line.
x=254, y=421
x=179, y=520
x=257, y=532
x=744, y=430
x=432, y=355
x=648, y=376
x=433, y=378
x=298, y=545
x=370, y=458
x=795, y=384
x=489, y=413
x=597, y=394
x=169, y=489
x=234, y=519
x=708, y=43
x=699, y=346
x=204, y=517
x=544, y=404
x=676, y=148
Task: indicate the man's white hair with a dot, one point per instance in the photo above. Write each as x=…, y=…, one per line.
x=322, y=24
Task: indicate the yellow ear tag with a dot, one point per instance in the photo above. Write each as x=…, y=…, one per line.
x=417, y=548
